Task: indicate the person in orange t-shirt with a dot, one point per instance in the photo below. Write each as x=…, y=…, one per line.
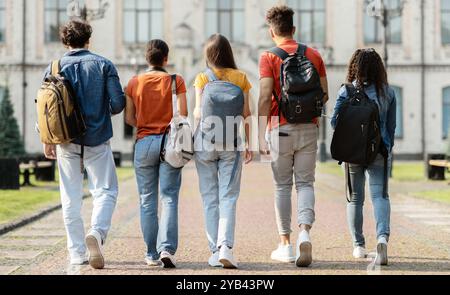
x=149, y=108
x=293, y=146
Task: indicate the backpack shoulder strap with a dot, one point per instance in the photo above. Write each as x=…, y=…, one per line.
x=351, y=89
x=279, y=52
x=56, y=67
x=174, y=95
x=302, y=49
x=211, y=76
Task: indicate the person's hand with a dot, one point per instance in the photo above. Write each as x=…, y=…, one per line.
x=264, y=148
x=248, y=156
x=50, y=151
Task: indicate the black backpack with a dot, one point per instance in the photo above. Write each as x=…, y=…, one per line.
x=357, y=138
x=301, y=92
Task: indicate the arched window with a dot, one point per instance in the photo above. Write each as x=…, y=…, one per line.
x=373, y=29
x=445, y=21
x=310, y=20
x=226, y=17
x=399, y=131
x=142, y=20
x=446, y=113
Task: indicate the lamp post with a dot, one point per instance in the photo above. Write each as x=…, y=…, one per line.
x=385, y=14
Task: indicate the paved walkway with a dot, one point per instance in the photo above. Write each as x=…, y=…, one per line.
x=420, y=239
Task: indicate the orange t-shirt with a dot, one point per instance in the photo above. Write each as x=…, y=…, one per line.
x=270, y=66
x=152, y=97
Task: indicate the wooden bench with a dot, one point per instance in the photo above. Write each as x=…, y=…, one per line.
x=440, y=163
x=26, y=167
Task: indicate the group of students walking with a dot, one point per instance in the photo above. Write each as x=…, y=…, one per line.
x=287, y=134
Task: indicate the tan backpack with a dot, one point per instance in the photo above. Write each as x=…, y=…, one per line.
x=59, y=117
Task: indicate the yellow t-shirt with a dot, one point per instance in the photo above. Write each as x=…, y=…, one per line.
x=236, y=77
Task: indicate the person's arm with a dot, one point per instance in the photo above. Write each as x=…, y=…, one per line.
x=392, y=119
x=324, y=84
x=114, y=91
x=198, y=104
x=342, y=96
x=182, y=104
x=264, y=108
x=130, y=113
x=247, y=127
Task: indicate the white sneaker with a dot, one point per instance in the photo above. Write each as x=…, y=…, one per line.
x=359, y=252
x=79, y=260
x=226, y=258
x=284, y=253
x=94, y=244
x=304, y=250
x=151, y=262
x=214, y=260
x=382, y=252
x=168, y=260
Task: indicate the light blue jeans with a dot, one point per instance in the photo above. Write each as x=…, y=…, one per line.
x=103, y=185
x=220, y=185
x=153, y=175
x=381, y=204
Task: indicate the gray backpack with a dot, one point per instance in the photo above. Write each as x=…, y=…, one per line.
x=222, y=109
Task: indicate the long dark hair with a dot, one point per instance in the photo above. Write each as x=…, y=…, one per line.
x=219, y=53
x=366, y=67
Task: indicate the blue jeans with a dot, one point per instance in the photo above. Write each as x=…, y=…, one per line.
x=381, y=204
x=220, y=185
x=152, y=175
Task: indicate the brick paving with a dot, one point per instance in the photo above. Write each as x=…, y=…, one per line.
x=420, y=241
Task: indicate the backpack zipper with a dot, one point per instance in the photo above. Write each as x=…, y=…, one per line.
x=46, y=120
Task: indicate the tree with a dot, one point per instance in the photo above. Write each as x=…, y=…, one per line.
x=11, y=144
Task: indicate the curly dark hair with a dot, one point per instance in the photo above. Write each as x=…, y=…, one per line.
x=281, y=20
x=76, y=33
x=157, y=52
x=366, y=67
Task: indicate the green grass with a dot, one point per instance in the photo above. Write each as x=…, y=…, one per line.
x=437, y=196
x=26, y=201
x=402, y=172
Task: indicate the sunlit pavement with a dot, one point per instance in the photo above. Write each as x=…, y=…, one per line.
x=420, y=242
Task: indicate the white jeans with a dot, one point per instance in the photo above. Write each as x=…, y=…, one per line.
x=103, y=185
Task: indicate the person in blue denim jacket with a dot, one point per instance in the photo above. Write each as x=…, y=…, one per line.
x=366, y=70
x=99, y=94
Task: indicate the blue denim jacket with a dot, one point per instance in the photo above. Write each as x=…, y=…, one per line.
x=387, y=107
x=97, y=86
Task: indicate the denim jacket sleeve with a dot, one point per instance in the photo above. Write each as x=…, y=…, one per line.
x=114, y=90
x=342, y=96
x=391, y=123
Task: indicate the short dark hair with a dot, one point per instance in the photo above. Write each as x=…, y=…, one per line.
x=219, y=53
x=157, y=52
x=281, y=20
x=76, y=33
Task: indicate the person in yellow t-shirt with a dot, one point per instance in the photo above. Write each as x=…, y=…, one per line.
x=217, y=168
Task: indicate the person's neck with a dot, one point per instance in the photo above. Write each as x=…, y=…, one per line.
x=76, y=49
x=281, y=40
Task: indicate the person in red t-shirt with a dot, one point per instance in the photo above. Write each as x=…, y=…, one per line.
x=293, y=146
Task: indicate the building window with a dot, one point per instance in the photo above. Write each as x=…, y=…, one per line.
x=226, y=17
x=446, y=113
x=445, y=21
x=309, y=19
x=399, y=96
x=373, y=29
x=2, y=20
x=143, y=20
x=55, y=17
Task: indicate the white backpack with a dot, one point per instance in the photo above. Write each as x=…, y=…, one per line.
x=177, y=147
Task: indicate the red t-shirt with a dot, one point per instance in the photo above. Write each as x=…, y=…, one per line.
x=270, y=66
